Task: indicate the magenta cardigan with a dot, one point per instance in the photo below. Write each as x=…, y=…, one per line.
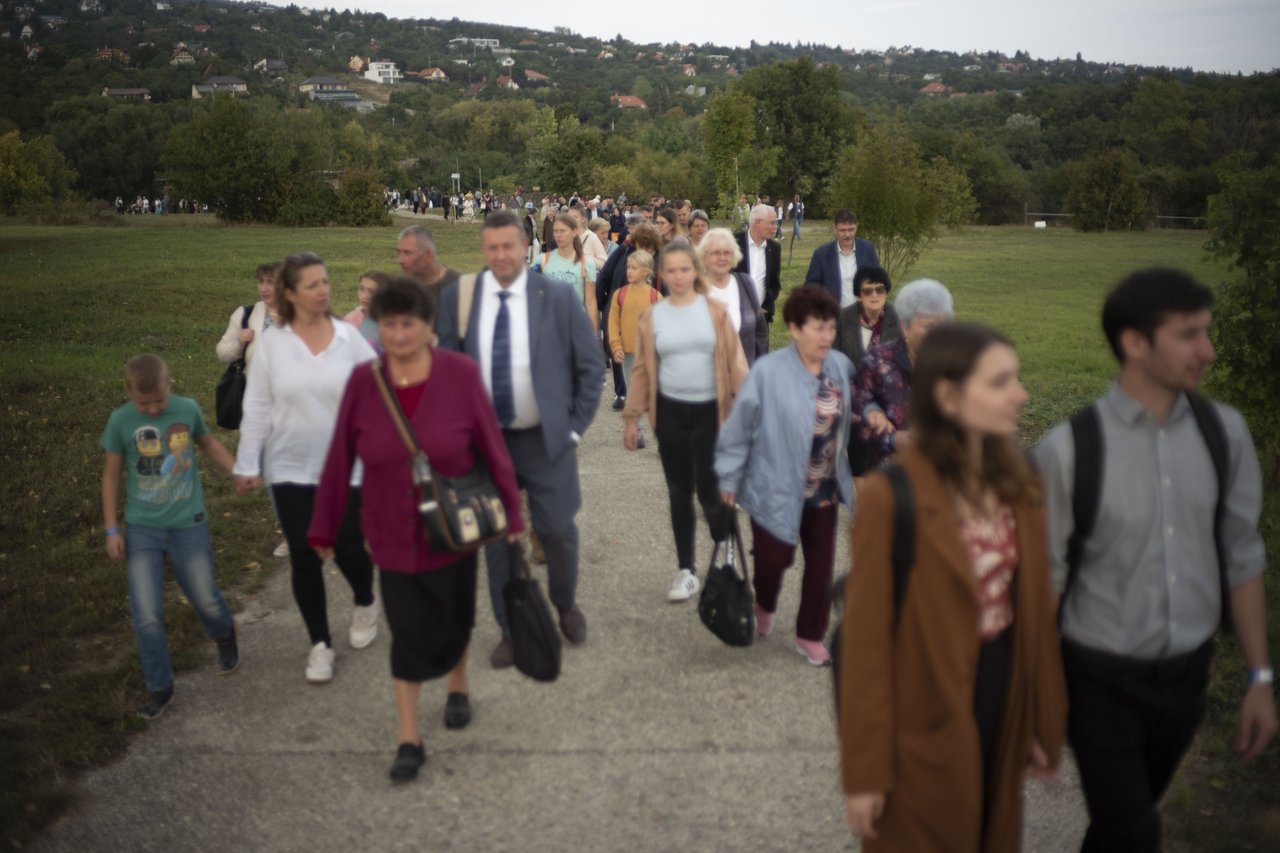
x=453, y=421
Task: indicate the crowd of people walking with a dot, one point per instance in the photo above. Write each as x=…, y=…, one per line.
x=999, y=604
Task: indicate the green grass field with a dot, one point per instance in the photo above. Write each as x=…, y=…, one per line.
x=78, y=301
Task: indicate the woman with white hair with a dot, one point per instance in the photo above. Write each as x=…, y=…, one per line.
x=719, y=254
x=882, y=385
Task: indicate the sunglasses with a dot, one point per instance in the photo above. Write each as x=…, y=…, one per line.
x=873, y=289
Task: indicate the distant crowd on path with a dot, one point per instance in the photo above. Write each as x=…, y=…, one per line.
x=143, y=204
x=998, y=604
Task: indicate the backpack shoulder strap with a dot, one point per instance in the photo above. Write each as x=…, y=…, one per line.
x=244, y=317
x=618, y=298
x=1086, y=432
x=466, y=295
x=904, y=535
x=1215, y=437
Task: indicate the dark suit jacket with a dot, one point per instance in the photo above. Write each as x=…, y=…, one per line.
x=566, y=357
x=772, y=271
x=849, y=332
x=825, y=264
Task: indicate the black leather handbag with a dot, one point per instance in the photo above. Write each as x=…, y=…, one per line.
x=726, y=603
x=228, y=397
x=459, y=514
x=535, y=643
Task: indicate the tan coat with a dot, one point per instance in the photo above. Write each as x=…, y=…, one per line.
x=730, y=364
x=906, y=701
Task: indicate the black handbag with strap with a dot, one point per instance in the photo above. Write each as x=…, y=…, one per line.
x=459, y=514
x=726, y=603
x=535, y=643
x=228, y=397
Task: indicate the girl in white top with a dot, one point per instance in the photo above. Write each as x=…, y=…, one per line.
x=569, y=264
x=237, y=341
x=290, y=408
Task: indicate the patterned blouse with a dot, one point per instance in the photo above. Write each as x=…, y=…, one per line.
x=993, y=551
x=820, y=486
x=883, y=382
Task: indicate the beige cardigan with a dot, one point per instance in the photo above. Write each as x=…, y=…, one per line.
x=730, y=364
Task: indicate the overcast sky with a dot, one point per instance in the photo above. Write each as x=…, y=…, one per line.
x=1243, y=35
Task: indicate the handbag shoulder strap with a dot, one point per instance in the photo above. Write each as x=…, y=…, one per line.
x=904, y=535
x=398, y=419
x=244, y=317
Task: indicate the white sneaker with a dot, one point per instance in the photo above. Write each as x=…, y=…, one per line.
x=364, y=625
x=282, y=550
x=320, y=664
x=684, y=587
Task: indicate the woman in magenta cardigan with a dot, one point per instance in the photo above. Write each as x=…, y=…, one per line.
x=429, y=596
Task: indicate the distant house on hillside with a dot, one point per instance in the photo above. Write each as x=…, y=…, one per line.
x=357, y=65
x=604, y=54
x=143, y=95
x=219, y=84
x=91, y=7
x=933, y=90
x=505, y=82
x=384, y=72
x=320, y=84
x=434, y=74
x=696, y=91
x=202, y=27
x=506, y=62
x=627, y=102
x=689, y=70
x=182, y=56
x=162, y=6
x=536, y=78
x=111, y=54
x=271, y=67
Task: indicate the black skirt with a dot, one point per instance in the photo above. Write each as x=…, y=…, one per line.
x=431, y=615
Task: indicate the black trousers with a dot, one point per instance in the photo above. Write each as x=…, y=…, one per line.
x=294, y=505
x=686, y=434
x=1130, y=722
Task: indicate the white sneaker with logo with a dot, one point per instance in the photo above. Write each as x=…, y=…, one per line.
x=684, y=587
x=364, y=625
x=320, y=664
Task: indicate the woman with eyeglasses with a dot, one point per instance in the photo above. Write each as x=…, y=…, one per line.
x=719, y=254
x=870, y=320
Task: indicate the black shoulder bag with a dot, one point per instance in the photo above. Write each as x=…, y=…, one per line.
x=228, y=397
x=459, y=513
x=535, y=643
x=725, y=604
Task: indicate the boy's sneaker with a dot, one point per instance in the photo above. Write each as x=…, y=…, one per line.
x=815, y=652
x=684, y=587
x=155, y=705
x=364, y=625
x=320, y=664
x=282, y=550
x=228, y=653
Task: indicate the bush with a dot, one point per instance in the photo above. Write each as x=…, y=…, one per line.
x=359, y=201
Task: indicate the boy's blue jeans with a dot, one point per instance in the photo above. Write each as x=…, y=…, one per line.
x=191, y=553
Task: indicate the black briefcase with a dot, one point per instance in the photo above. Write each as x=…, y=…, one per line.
x=535, y=642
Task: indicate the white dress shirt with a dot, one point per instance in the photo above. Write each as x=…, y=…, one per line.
x=291, y=403
x=526, y=404
x=756, y=261
x=848, y=269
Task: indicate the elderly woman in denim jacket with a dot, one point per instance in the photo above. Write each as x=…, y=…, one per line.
x=780, y=455
x=882, y=385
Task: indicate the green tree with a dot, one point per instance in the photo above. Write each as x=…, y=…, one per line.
x=902, y=201
x=1105, y=193
x=566, y=156
x=1244, y=219
x=737, y=163
x=1160, y=126
x=360, y=201
x=31, y=172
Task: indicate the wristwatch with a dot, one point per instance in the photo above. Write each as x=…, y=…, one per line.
x=1261, y=676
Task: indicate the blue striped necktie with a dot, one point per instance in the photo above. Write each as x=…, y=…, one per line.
x=504, y=398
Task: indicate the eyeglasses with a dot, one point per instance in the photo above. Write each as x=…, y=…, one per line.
x=874, y=290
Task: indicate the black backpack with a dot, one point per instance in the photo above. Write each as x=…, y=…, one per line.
x=903, y=557
x=1086, y=430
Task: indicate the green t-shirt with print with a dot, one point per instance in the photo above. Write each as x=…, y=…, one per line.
x=162, y=483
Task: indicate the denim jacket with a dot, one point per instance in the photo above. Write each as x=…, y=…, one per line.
x=762, y=454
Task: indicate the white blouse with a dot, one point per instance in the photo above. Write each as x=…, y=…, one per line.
x=291, y=403
x=230, y=348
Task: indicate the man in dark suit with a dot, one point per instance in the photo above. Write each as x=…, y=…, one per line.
x=762, y=256
x=836, y=264
x=541, y=364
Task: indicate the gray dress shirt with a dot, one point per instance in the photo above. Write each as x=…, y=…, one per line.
x=1148, y=581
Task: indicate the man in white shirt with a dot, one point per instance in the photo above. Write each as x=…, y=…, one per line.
x=762, y=256
x=521, y=320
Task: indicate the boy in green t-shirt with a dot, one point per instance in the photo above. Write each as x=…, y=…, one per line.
x=150, y=439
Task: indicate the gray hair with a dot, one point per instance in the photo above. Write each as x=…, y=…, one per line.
x=634, y=219
x=923, y=296
x=719, y=238
x=760, y=211
x=421, y=234
x=699, y=214
x=597, y=223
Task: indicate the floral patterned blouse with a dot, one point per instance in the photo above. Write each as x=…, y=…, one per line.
x=883, y=383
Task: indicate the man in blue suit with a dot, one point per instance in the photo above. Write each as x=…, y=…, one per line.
x=541, y=365
x=835, y=264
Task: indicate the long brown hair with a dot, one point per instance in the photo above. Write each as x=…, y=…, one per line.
x=682, y=246
x=569, y=220
x=950, y=352
x=287, y=279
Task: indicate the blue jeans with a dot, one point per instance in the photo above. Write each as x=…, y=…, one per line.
x=191, y=554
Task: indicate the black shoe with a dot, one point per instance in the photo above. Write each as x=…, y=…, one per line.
x=457, y=711
x=573, y=625
x=228, y=653
x=155, y=705
x=618, y=403
x=503, y=655
x=409, y=757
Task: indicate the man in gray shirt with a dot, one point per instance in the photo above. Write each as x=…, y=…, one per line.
x=1140, y=610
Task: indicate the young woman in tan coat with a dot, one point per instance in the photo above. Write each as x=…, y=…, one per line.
x=943, y=715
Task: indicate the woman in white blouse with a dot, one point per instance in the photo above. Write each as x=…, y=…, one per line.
x=240, y=338
x=290, y=407
x=719, y=253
